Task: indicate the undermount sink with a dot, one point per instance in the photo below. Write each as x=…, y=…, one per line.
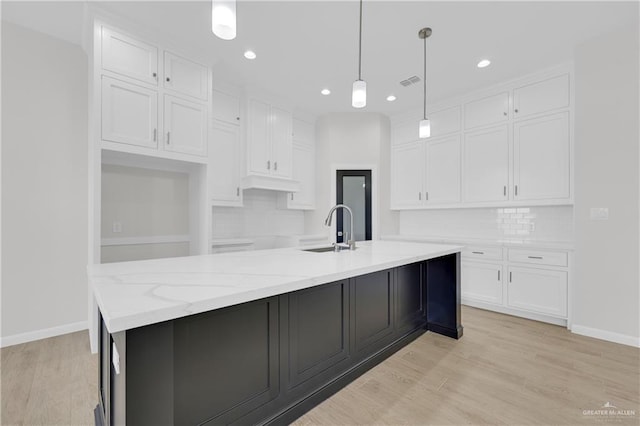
x=320, y=249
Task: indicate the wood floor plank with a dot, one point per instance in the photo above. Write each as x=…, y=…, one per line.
x=504, y=371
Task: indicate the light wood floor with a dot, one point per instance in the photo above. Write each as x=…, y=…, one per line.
x=505, y=370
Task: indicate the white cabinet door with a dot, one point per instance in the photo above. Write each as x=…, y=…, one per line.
x=538, y=290
x=129, y=113
x=541, y=158
x=541, y=96
x=481, y=282
x=258, y=138
x=304, y=167
x=443, y=170
x=444, y=122
x=485, y=165
x=407, y=165
x=127, y=56
x=185, y=76
x=226, y=107
x=185, y=126
x=405, y=133
x=303, y=132
x=486, y=111
x=281, y=143
x=224, y=164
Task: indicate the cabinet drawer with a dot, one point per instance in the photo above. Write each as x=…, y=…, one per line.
x=482, y=252
x=538, y=257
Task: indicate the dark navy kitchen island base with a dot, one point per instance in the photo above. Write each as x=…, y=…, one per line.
x=271, y=360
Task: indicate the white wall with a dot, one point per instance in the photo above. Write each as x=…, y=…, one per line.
x=548, y=223
x=259, y=218
x=606, y=299
x=44, y=186
x=147, y=203
x=357, y=138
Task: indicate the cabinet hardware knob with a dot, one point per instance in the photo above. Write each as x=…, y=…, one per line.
x=505, y=114
x=516, y=190
x=419, y=196
x=155, y=75
x=477, y=252
x=268, y=165
x=275, y=166
x=292, y=196
x=155, y=134
x=168, y=138
x=238, y=118
x=516, y=110
x=426, y=196
x=237, y=191
x=498, y=274
x=504, y=190
x=168, y=79
x=510, y=276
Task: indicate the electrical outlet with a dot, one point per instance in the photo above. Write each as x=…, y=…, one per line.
x=599, y=213
x=117, y=227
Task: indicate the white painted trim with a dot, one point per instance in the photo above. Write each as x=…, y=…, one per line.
x=375, y=199
x=31, y=336
x=152, y=239
x=610, y=336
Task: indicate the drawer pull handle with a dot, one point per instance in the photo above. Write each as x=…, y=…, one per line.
x=510, y=276
x=535, y=257
x=477, y=252
x=498, y=274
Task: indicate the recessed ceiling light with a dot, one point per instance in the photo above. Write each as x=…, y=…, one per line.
x=325, y=92
x=391, y=98
x=250, y=54
x=484, y=63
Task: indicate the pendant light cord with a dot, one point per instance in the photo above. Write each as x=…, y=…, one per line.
x=425, y=78
x=360, y=46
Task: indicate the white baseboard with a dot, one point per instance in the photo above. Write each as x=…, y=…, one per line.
x=515, y=312
x=610, y=336
x=30, y=336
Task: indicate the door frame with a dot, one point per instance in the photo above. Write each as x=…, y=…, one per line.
x=375, y=217
x=366, y=173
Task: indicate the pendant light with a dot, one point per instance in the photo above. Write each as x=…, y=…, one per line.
x=359, y=94
x=223, y=18
x=425, y=124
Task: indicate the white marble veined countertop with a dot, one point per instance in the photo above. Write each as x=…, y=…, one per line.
x=139, y=293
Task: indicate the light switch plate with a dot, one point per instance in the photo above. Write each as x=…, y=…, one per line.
x=599, y=213
x=117, y=227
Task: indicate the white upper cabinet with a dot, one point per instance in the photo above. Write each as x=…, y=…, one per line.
x=226, y=107
x=407, y=165
x=185, y=126
x=303, y=132
x=185, y=76
x=485, y=167
x=487, y=111
x=442, y=171
x=224, y=168
x=542, y=158
x=269, y=140
x=542, y=96
x=404, y=133
x=129, y=113
x=304, y=171
x=281, y=142
x=443, y=122
x=130, y=57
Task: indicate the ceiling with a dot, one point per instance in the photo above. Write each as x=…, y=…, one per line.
x=305, y=46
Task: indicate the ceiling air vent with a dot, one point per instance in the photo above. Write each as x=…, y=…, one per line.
x=411, y=80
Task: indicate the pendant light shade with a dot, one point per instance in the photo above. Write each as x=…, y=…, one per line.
x=425, y=125
x=223, y=18
x=359, y=94
x=425, y=129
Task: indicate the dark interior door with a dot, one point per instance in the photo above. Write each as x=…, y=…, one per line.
x=354, y=190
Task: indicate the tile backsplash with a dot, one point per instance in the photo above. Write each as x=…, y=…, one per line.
x=260, y=217
x=548, y=223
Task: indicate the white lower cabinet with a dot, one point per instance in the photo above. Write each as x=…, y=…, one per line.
x=482, y=282
x=538, y=290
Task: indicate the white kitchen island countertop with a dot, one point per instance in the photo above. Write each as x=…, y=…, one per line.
x=139, y=293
